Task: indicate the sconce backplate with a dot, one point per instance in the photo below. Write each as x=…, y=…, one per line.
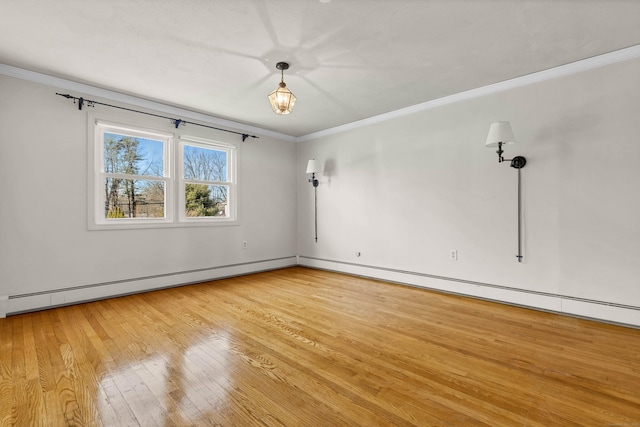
x=518, y=162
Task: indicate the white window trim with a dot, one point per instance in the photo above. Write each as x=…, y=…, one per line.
x=173, y=177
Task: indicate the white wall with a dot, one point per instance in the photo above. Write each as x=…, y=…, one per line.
x=46, y=249
x=402, y=192
x=405, y=191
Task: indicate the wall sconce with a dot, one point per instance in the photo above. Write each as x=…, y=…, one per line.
x=282, y=100
x=500, y=133
x=313, y=168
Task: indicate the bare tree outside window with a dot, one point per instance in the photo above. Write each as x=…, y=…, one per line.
x=205, y=170
x=125, y=159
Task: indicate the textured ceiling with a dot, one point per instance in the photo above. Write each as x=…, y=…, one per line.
x=350, y=59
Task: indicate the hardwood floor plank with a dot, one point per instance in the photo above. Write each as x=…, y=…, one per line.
x=20, y=397
x=7, y=395
x=308, y=347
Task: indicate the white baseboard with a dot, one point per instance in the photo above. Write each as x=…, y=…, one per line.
x=42, y=300
x=580, y=307
x=3, y=306
x=600, y=310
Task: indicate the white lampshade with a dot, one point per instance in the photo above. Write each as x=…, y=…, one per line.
x=312, y=166
x=500, y=132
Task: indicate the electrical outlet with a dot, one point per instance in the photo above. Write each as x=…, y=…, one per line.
x=453, y=254
x=245, y=245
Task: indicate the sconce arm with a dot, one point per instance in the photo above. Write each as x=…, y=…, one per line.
x=517, y=162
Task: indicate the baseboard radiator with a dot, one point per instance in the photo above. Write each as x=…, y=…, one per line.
x=15, y=304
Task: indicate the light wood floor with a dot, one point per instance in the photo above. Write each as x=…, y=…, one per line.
x=302, y=347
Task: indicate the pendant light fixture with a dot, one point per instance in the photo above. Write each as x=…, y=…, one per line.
x=282, y=100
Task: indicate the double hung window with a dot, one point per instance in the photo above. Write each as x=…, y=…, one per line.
x=146, y=178
x=205, y=187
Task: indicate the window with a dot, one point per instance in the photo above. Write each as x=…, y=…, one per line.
x=206, y=189
x=144, y=178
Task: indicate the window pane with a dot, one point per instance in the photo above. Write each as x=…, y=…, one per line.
x=205, y=200
x=129, y=198
x=132, y=155
x=205, y=164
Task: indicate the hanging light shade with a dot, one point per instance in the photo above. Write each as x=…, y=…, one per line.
x=282, y=100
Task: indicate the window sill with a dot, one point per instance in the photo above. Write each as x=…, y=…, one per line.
x=160, y=225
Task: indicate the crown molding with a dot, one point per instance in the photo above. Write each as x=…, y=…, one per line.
x=603, y=60
x=182, y=113
x=610, y=58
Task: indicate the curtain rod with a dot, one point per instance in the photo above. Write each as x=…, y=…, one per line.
x=176, y=122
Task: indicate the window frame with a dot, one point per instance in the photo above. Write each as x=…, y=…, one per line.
x=173, y=177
